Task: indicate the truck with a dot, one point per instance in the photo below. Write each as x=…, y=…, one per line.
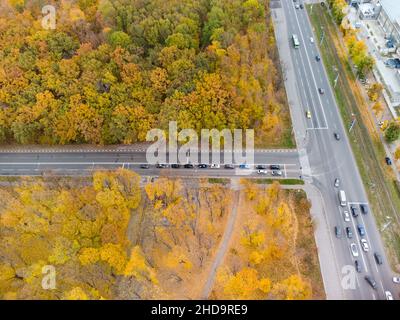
x=342, y=198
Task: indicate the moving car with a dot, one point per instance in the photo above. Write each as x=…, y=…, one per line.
x=337, y=136
x=144, y=166
x=318, y=58
x=321, y=91
x=349, y=232
x=229, y=166
x=357, y=265
x=364, y=208
x=354, y=211
x=261, y=171
x=370, y=281
x=378, y=258
x=388, y=295
x=311, y=39
x=346, y=216
x=396, y=280
x=364, y=245
x=308, y=114
x=338, y=232
x=361, y=230
x=337, y=183
x=276, y=173
x=354, y=250
x=297, y=6
x=301, y=6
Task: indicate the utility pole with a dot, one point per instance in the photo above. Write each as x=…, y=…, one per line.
x=322, y=36
x=337, y=77
x=353, y=122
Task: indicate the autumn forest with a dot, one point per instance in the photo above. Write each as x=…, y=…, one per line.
x=112, y=70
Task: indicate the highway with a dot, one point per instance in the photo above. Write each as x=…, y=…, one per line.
x=329, y=159
x=79, y=162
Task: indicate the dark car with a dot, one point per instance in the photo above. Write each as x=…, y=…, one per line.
x=203, y=166
x=370, y=281
x=229, y=166
x=349, y=232
x=357, y=265
x=188, y=166
x=301, y=6
x=144, y=166
x=354, y=211
x=161, y=165
x=388, y=161
x=175, y=166
x=337, y=136
x=361, y=230
x=321, y=91
x=318, y=58
x=364, y=208
x=378, y=258
x=338, y=232
x=275, y=167
x=261, y=167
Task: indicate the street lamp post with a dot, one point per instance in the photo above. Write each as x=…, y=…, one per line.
x=337, y=77
x=322, y=36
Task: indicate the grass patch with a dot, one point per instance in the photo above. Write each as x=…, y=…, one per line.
x=365, y=142
x=223, y=181
x=291, y=182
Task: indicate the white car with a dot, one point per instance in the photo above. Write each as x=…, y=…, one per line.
x=346, y=216
x=388, y=295
x=354, y=250
x=396, y=280
x=337, y=182
x=215, y=166
x=261, y=171
x=364, y=245
x=311, y=39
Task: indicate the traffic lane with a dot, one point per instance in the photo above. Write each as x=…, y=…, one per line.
x=359, y=191
x=259, y=157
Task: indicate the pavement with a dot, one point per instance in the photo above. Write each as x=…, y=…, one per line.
x=328, y=159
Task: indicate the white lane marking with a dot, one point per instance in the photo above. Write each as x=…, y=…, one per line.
x=312, y=72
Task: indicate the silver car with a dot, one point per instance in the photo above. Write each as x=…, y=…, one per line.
x=346, y=216
x=354, y=250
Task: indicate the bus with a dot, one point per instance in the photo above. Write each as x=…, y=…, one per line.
x=296, y=42
x=342, y=198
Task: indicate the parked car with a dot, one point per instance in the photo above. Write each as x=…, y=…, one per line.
x=349, y=232
x=229, y=166
x=275, y=167
x=244, y=166
x=364, y=245
x=354, y=250
x=215, y=166
x=337, y=136
x=361, y=230
x=378, y=258
x=396, y=280
x=388, y=161
x=338, y=232
x=162, y=165
x=370, y=281
x=357, y=265
x=346, y=216
x=188, y=166
x=203, y=166
x=175, y=165
x=261, y=171
x=144, y=166
x=261, y=166
x=354, y=210
x=364, y=208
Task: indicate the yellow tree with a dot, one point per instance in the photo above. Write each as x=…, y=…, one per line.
x=292, y=288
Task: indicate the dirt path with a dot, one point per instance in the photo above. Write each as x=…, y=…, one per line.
x=223, y=247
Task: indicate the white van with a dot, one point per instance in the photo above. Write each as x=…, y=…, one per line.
x=342, y=198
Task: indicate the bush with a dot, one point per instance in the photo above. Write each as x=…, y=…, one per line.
x=392, y=132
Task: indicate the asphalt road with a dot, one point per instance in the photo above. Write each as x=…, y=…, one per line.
x=78, y=163
x=330, y=159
